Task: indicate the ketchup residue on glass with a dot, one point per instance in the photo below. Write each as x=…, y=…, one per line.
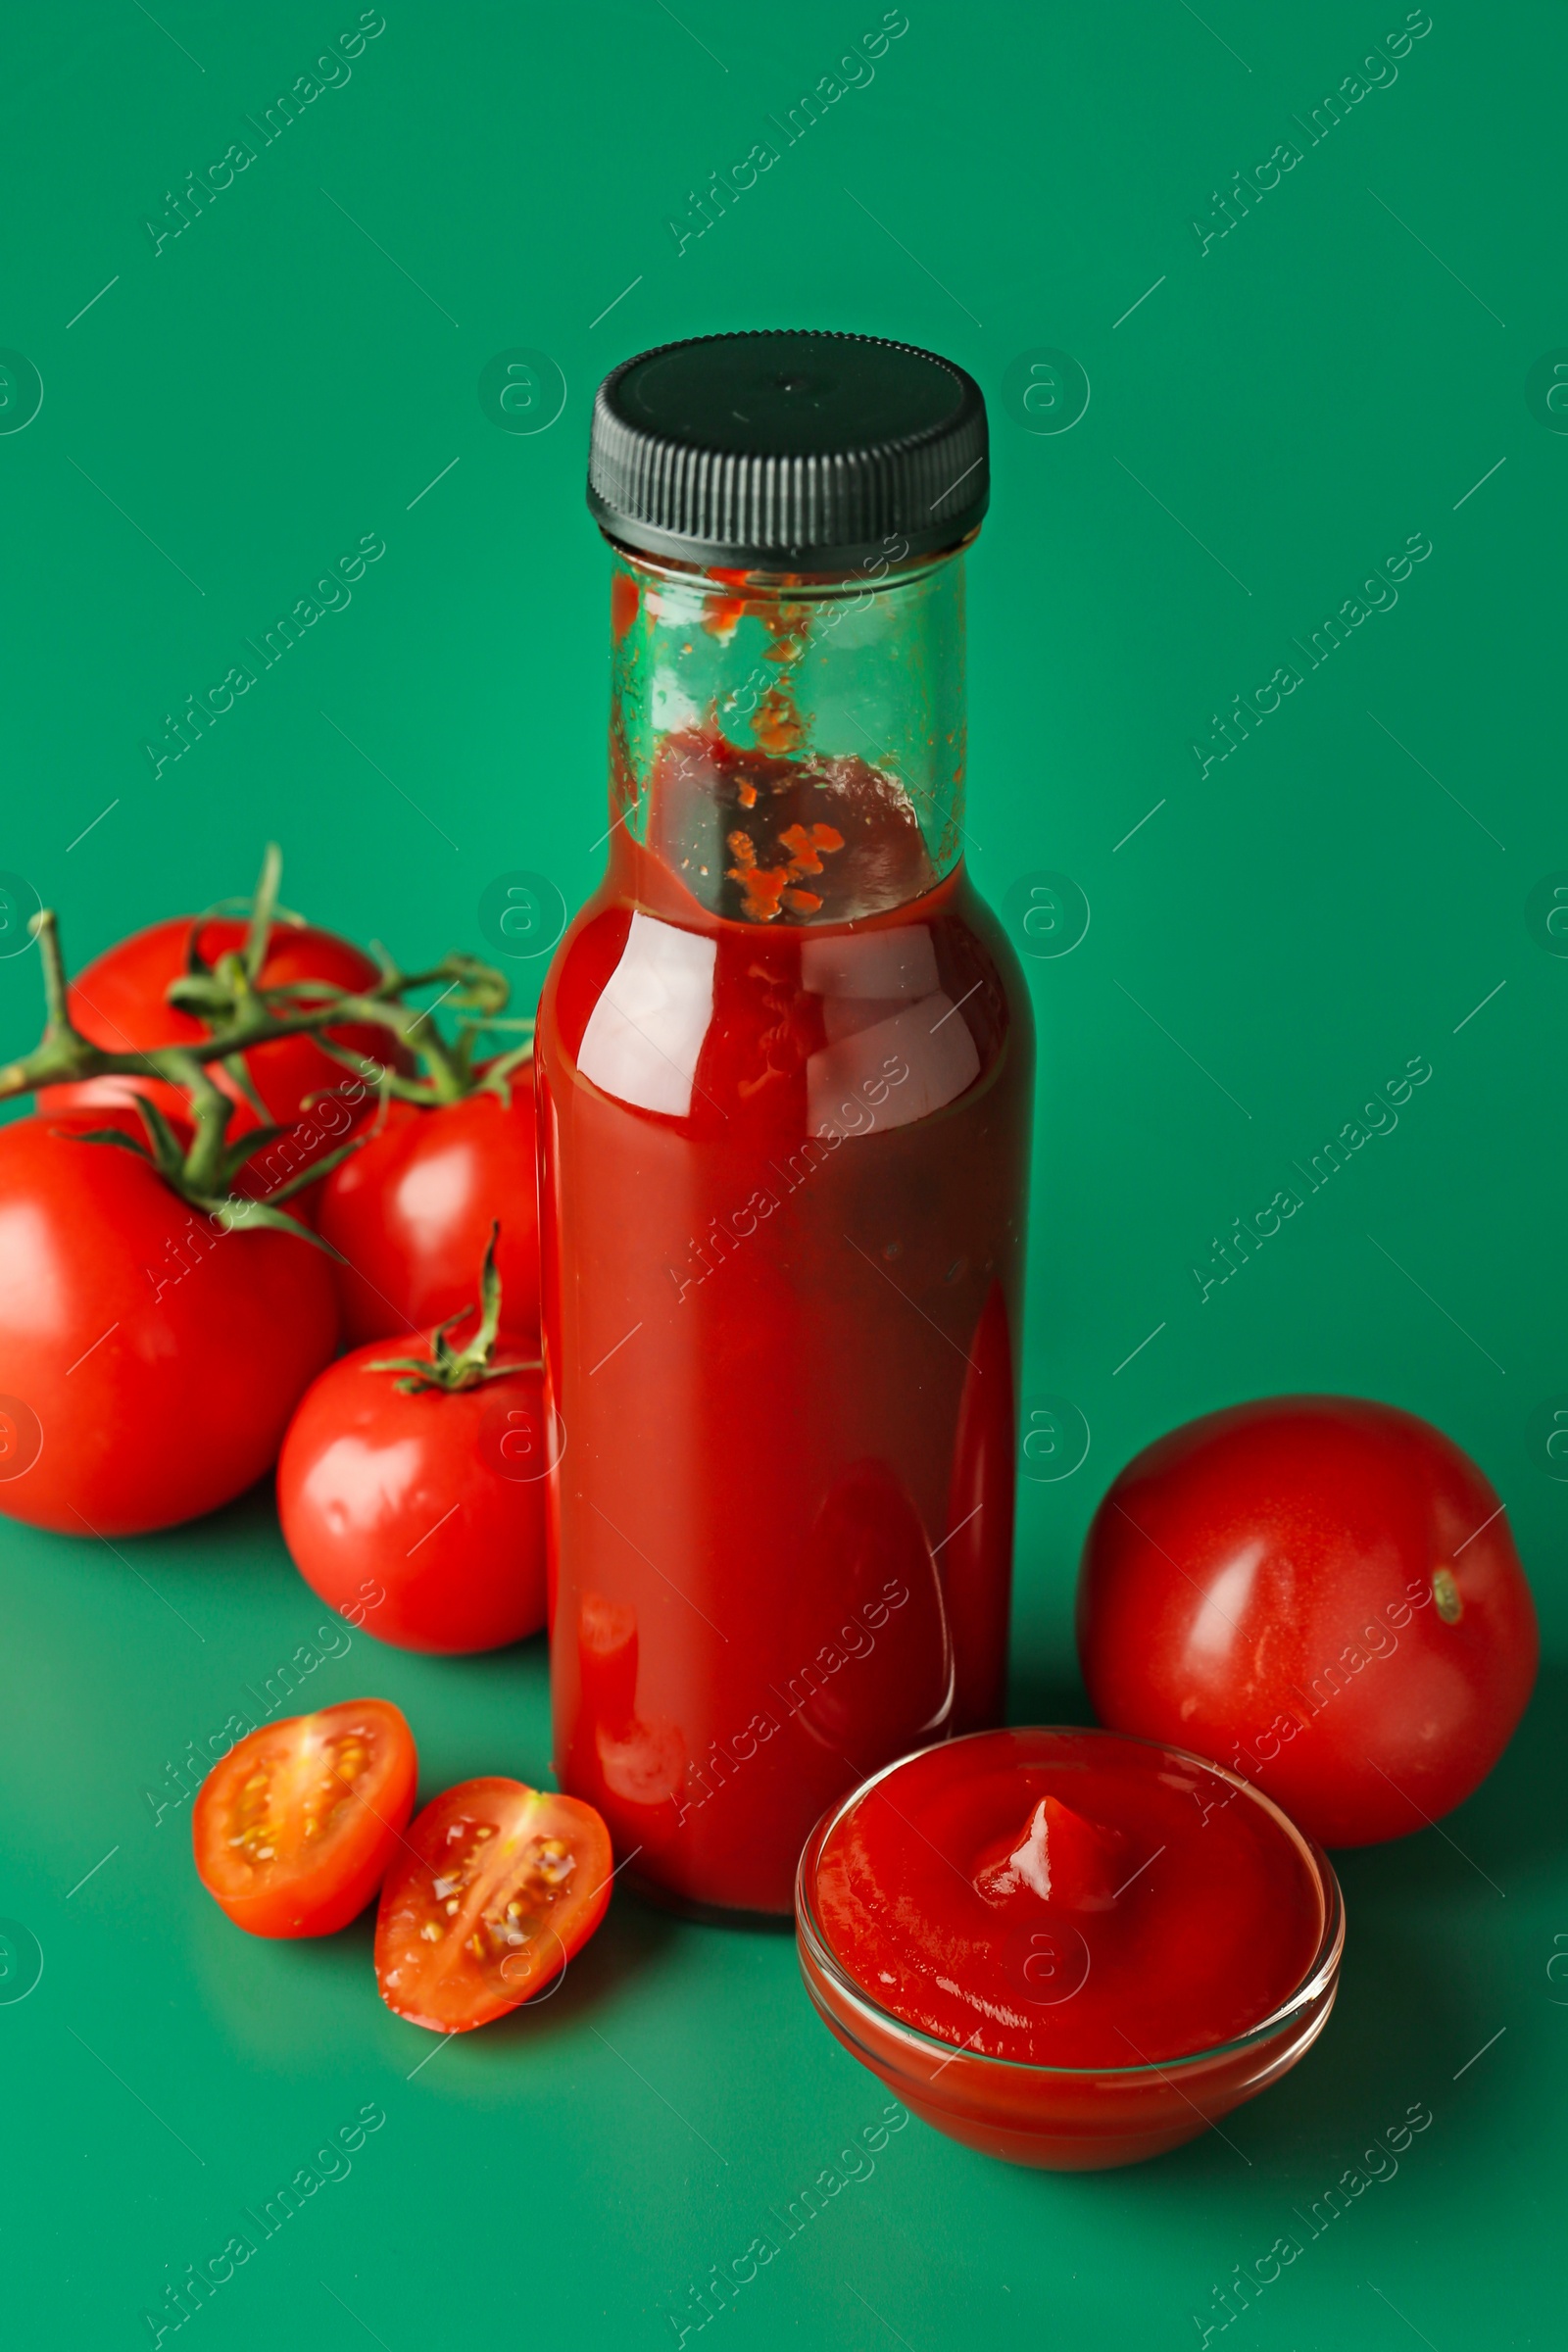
x=834, y=839
x=1069, y=1899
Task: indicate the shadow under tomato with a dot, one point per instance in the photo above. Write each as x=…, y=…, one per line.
x=472, y=1667
x=1400, y=2016
x=1516, y=1822
x=247, y=1526
x=1518, y=1818
x=1430, y=1971
x=250, y=1514
x=268, y=1994
x=625, y=1948
x=706, y=1915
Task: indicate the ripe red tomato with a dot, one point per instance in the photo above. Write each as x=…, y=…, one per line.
x=1322, y=1593
x=411, y=1210
x=495, y=1887
x=295, y=1827
x=437, y=1499
x=149, y=1361
x=119, y=1003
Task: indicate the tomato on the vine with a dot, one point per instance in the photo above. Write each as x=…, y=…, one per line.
x=1322, y=1593
x=410, y=1209
x=119, y=1002
x=422, y=1479
x=494, y=1888
x=295, y=1827
x=148, y=1359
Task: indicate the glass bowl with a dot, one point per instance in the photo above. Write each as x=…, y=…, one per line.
x=1063, y=2118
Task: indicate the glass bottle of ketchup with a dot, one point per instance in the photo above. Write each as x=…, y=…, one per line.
x=784, y=1064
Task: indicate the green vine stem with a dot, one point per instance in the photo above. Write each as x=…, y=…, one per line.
x=240, y=1013
x=299, y=1008
x=221, y=994
x=450, y=1368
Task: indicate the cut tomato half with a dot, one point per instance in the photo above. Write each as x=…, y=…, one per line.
x=495, y=1887
x=295, y=1827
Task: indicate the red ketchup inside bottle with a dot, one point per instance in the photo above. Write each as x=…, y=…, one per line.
x=784, y=1063
x=1069, y=1899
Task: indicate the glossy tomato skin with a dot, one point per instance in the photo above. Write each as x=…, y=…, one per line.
x=1322, y=1593
x=149, y=1361
x=411, y=1211
x=273, y=1878
x=119, y=1002
x=435, y=1500
x=493, y=1890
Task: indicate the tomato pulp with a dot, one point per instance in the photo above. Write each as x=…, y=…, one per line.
x=495, y=1888
x=295, y=1827
x=783, y=1182
x=1045, y=1900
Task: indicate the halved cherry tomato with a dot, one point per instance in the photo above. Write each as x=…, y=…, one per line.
x=295, y=1827
x=495, y=1887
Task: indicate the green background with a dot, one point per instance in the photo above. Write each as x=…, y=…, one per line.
x=1278, y=415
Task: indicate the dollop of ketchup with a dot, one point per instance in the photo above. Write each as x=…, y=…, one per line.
x=1069, y=1898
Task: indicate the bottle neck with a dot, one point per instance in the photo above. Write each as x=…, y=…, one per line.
x=791, y=748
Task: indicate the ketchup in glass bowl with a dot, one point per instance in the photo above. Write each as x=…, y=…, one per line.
x=1065, y=1947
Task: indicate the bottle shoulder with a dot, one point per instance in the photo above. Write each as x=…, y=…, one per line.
x=746, y=1026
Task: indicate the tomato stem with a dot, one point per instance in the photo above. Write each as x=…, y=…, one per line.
x=259, y=938
x=239, y=1015
x=448, y=1367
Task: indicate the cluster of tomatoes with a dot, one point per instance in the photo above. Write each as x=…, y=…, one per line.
x=156, y=1358
x=162, y=1347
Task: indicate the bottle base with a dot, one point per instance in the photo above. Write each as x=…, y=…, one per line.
x=707, y=1915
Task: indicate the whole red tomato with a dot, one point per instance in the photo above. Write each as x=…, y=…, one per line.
x=1322, y=1593
x=149, y=1361
x=411, y=1209
x=119, y=1002
x=434, y=1501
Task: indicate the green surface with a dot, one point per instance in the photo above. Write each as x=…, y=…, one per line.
x=1277, y=415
